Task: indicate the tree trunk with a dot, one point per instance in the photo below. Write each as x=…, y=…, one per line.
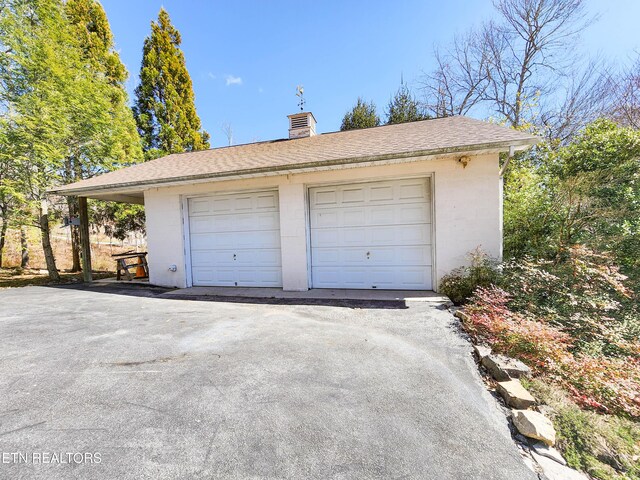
x=3, y=236
x=24, y=248
x=72, y=203
x=46, y=247
x=85, y=242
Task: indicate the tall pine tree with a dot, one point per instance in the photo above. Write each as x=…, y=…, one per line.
x=63, y=117
x=403, y=107
x=165, y=103
x=88, y=23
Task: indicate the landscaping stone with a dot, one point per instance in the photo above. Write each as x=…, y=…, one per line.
x=554, y=471
x=534, y=425
x=482, y=351
x=461, y=315
x=546, y=410
x=546, y=451
x=515, y=394
x=445, y=305
x=504, y=368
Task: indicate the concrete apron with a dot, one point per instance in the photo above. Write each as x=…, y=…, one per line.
x=313, y=294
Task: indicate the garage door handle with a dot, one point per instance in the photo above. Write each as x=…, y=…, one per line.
x=368, y=254
x=234, y=256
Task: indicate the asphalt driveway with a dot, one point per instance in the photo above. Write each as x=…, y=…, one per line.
x=167, y=388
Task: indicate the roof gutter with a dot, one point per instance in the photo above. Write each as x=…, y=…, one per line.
x=501, y=146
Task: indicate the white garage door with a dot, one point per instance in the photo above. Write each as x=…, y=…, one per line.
x=235, y=240
x=372, y=235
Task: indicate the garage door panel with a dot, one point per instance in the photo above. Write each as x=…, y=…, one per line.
x=372, y=235
x=224, y=277
x=199, y=206
x=381, y=193
x=386, y=192
x=353, y=195
x=221, y=205
x=372, y=215
x=243, y=222
x=411, y=278
x=229, y=258
x=379, y=256
x=267, y=201
x=259, y=221
x=199, y=224
x=326, y=218
x=340, y=277
x=325, y=197
x=211, y=258
x=413, y=191
x=265, y=277
x=233, y=203
x=265, y=257
x=235, y=240
x=259, y=239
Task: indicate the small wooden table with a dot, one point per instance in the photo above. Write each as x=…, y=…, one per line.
x=123, y=267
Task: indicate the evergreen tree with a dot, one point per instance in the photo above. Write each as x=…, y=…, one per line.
x=88, y=23
x=362, y=115
x=403, y=107
x=165, y=103
x=65, y=119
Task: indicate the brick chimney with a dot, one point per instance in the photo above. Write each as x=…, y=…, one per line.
x=301, y=125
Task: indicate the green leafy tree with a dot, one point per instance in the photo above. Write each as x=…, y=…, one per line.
x=599, y=176
x=38, y=81
x=88, y=23
x=362, y=115
x=63, y=117
x=587, y=192
x=165, y=103
x=10, y=195
x=403, y=107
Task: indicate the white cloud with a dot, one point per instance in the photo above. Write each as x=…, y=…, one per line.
x=212, y=76
x=260, y=90
x=231, y=80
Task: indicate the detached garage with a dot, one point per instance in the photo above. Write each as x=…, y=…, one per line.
x=392, y=207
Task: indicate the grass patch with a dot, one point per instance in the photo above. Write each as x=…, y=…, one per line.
x=605, y=446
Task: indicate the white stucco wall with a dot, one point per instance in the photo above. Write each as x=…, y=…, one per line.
x=467, y=207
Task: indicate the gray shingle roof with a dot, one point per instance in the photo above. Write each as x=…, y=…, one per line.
x=428, y=137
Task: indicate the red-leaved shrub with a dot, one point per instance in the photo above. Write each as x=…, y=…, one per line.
x=604, y=384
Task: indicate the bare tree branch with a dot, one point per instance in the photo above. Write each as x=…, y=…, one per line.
x=508, y=65
x=626, y=105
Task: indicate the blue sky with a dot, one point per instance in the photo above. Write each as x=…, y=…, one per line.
x=246, y=57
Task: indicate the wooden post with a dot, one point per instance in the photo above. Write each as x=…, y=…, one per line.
x=84, y=238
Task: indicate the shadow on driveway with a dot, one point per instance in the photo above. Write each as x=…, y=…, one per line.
x=151, y=291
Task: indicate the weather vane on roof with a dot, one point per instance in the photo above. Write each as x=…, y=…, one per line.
x=300, y=95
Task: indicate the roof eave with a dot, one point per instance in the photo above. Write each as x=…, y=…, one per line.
x=521, y=144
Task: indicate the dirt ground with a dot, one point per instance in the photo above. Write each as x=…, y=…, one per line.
x=102, y=249
x=11, y=277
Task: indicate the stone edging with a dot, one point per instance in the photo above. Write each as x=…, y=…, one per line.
x=532, y=430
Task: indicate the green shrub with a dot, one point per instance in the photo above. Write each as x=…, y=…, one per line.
x=605, y=446
x=460, y=283
x=575, y=323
